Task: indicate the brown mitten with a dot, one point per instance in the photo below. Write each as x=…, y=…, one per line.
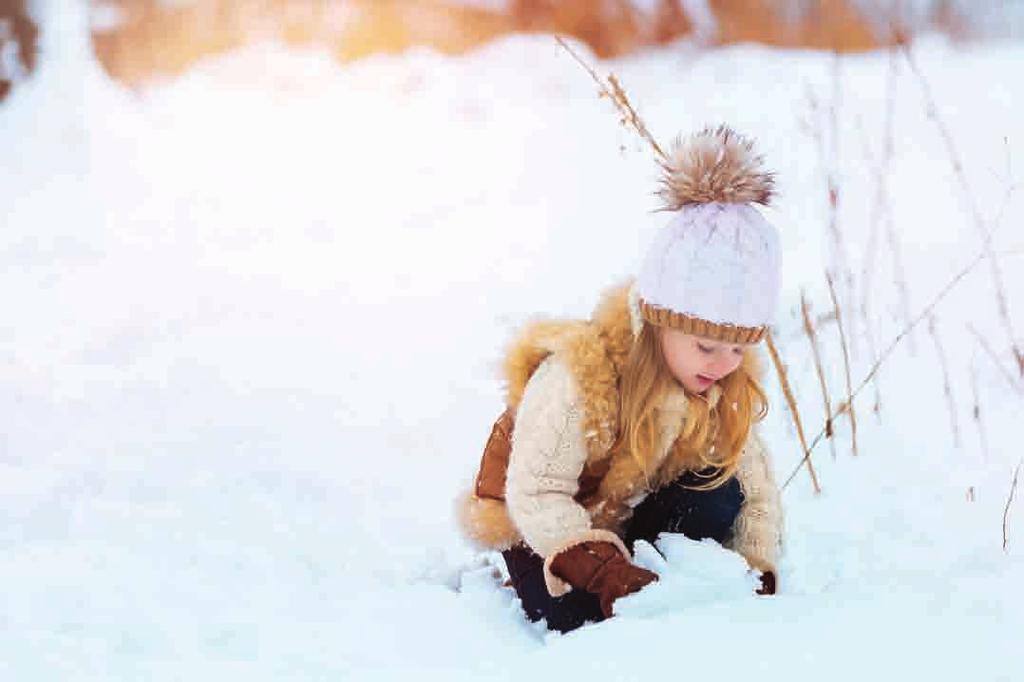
x=599, y=567
x=767, y=583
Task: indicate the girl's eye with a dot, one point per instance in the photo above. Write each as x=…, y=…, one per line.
x=703, y=348
x=737, y=351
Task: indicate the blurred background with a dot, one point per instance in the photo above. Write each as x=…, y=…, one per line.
x=138, y=39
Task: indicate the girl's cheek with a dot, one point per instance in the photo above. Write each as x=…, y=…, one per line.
x=728, y=366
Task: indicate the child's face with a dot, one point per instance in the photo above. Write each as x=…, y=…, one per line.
x=696, y=362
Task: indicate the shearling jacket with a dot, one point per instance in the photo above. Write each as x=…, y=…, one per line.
x=548, y=476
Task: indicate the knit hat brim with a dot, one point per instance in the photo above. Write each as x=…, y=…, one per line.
x=663, y=317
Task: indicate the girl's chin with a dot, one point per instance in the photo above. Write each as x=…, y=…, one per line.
x=698, y=385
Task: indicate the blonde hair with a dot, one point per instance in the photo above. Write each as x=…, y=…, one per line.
x=712, y=435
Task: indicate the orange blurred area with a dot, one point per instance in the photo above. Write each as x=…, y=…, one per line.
x=165, y=38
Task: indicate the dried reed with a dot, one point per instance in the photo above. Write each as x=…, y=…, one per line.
x=840, y=257
x=995, y=360
x=880, y=207
x=946, y=385
x=787, y=391
x=882, y=215
x=1009, y=501
x=976, y=410
x=816, y=354
x=828, y=159
x=848, y=405
x=613, y=90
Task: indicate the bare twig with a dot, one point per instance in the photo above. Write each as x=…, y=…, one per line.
x=816, y=354
x=899, y=272
x=881, y=212
x=995, y=359
x=1009, y=501
x=976, y=410
x=780, y=369
x=880, y=207
x=822, y=125
x=846, y=363
x=946, y=386
x=873, y=350
x=631, y=117
x=840, y=258
x=972, y=205
x=613, y=90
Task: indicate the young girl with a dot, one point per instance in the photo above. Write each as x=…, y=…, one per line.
x=638, y=421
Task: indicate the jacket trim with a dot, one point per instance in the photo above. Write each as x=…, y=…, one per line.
x=485, y=522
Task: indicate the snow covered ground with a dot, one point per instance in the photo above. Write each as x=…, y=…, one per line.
x=251, y=322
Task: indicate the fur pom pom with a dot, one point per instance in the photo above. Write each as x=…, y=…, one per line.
x=716, y=164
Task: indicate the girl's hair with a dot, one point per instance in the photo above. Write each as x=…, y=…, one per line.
x=714, y=436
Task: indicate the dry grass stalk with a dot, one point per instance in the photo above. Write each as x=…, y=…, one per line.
x=899, y=272
x=880, y=205
x=840, y=257
x=976, y=410
x=828, y=158
x=787, y=391
x=613, y=90
x=848, y=405
x=972, y=205
x=882, y=215
x=995, y=360
x=820, y=322
x=946, y=385
x=896, y=341
x=1009, y=501
x=816, y=354
x=630, y=116
x=876, y=408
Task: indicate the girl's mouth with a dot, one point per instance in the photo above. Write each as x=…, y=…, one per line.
x=705, y=379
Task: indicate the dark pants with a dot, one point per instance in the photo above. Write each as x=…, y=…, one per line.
x=672, y=509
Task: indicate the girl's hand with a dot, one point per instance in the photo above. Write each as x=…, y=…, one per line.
x=768, y=583
x=598, y=567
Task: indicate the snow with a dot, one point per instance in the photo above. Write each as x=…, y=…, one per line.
x=252, y=323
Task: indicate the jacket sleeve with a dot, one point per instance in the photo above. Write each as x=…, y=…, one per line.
x=757, y=531
x=548, y=454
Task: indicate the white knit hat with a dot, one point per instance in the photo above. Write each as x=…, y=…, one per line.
x=715, y=269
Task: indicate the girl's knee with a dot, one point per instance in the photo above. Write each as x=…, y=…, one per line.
x=679, y=508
